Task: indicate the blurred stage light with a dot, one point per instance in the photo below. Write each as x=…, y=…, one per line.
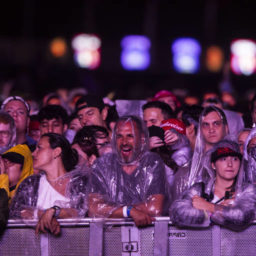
x=243, y=54
x=135, y=52
x=214, y=58
x=58, y=47
x=186, y=54
x=87, y=50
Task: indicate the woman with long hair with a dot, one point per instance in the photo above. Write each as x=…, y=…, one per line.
x=58, y=191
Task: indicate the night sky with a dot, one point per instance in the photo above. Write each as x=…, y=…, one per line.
x=28, y=26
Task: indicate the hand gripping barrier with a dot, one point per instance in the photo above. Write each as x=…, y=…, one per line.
x=110, y=237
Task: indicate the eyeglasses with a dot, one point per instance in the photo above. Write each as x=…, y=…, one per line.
x=4, y=134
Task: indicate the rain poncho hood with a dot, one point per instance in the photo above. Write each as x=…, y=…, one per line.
x=249, y=162
x=27, y=168
x=201, y=159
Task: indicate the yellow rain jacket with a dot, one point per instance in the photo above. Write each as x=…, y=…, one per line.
x=27, y=168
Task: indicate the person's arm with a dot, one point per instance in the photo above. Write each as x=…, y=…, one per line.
x=25, y=197
x=183, y=212
x=238, y=215
x=99, y=207
x=155, y=142
x=153, y=206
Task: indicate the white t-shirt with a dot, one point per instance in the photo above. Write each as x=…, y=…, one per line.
x=48, y=196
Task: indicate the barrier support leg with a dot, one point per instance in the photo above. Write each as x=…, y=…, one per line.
x=161, y=238
x=96, y=239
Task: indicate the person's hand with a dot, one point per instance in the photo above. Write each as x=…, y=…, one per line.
x=170, y=137
x=155, y=142
x=140, y=218
x=55, y=227
x=227, y=202
x=91, y=160
x=45, y=222
x=27, y=213
x=201, y=204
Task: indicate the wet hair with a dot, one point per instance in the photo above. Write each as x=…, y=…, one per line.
x=86, y=138
x=210, y=109
x=134, y=119
x=53, y=111
x=69, y=156
x=165, y=108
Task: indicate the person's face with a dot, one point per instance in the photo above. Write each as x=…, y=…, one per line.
x=252, y=143
x=169, y=100
x=13, y=170
x=52, y=125
x=127, y=140
x=35, y=134
x=153, y=116
x=5, y=134
x=90, y=116
x=213, y=128
x=19, y=113
x=227, y=167
x=43, y=154
x=241, y=140
x=75, y=125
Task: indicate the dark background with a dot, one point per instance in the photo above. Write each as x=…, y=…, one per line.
x=28, y=26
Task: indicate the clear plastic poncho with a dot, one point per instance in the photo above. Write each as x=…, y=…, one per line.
x=249, y=161
x=236, y=215
x=112, y=187
x=201, y=159
x=74, y=183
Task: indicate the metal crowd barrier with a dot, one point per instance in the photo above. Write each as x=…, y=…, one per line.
x=112, y=237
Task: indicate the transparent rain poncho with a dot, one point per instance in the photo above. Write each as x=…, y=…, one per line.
x=238, y=214
x=76, y=191
x=112, y=187
x=249, y=160
x=201, y=159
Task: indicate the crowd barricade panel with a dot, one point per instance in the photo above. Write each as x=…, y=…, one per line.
x=112, y=237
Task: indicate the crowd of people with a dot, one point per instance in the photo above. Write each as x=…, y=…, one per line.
x=194, y=162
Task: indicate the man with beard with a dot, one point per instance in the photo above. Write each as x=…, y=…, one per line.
x=129, y=182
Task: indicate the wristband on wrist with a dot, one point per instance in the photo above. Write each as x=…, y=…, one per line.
x=129, y=208
x=56, y=211
x=35, y=213
x=125, y=211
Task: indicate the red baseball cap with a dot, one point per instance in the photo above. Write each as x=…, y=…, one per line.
x=173, y=123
